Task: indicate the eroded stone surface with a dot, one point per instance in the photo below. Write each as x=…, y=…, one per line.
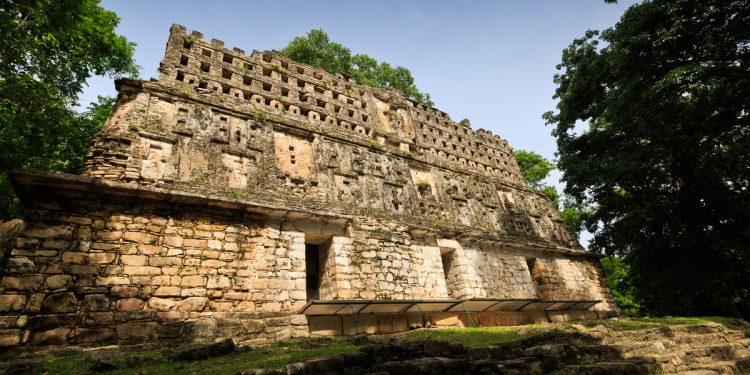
x=209, y=188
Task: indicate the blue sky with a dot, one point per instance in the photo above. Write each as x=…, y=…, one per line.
x=489, y=61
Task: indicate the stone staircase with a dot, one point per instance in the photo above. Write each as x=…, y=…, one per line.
x=696, y=350
x=708, y=349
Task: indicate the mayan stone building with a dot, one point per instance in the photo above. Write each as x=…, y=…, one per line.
x=224, y=196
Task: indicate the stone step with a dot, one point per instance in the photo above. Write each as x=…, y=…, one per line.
x=642, y=348
x=679, y=334
x=738, y=366
x=629, y=367
x=689, y=358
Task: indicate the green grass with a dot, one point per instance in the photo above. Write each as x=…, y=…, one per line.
x=274, y=356
x=280, y=354
x=477, y=336
x=631, y=324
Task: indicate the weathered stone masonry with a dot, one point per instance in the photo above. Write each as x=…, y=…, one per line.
x=211, y=189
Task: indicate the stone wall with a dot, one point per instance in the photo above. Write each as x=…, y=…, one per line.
x=207, y=186
x=262, y=126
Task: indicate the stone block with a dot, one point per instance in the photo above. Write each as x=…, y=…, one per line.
x=201, y=244
x=92, y=335
x=325, y=325
x=19, y=265
x=133, y=260
x=443, y=319
x=574, y=315
x=98, y=318
x=59, y=303
x=113, y=280
x=101, y=258
x=165, y=261
x=590, y=315
x=129, y=304
x=192, y=281
x=10, y=337
x=174, y=241
x=57, y=282
x=556, y=316
x=137, y=331
x=161, y=304
x=47, y=322
x=95, y=302
x=141, y=270
x=392, y=323
x=193, y=292
x=108, y=235
x=537, y=316
x=140, y=237
x=57, y=336
x=417, y=320
x=172, y=329
x=48, y=231
x=25, y=283
x=218, y=282
x=192, y=304
x=366, y=323
x=124, y=291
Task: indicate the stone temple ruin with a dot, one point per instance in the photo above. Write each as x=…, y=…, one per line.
x=253, y=197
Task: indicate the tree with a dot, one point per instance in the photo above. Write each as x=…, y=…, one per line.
x=49, y=49
x=618, y=281
x=317, y=49
x=535, y=169
x=664, y=159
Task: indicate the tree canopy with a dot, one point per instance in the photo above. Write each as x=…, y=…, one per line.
x=535, y=168
x=49, y=49
x=317, y=49
x=664, y=159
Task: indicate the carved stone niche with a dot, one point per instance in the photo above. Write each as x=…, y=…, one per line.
x=156, y=157
x=394, y=197
x=238, y=168
x=347, y=189
x=294, y=155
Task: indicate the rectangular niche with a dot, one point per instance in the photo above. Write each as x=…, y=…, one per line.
x=294, y=155
x=156, y=155
x=238, y=168
x=319, y=272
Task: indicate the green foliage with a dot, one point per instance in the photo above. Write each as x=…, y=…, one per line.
x=49, y=49
x=259, y=115
x=318, y=50
x=374, y=145
x=423, y=185
x=664, y=159
x=617, y=274
x=439, y=223
x=534, y=167
x=551, y=194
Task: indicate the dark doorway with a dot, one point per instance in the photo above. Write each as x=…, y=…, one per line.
x=534, y=272
x=312, y=271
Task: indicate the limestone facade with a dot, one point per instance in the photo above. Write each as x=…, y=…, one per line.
x=218, y=192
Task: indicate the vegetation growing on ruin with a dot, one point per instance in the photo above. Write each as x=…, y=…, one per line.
x=663, y=160
x=49, y=49
x=279, y=354
x=318, y=50
x=423, y=185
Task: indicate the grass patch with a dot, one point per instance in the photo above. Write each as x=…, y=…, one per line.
x=476, y=337
x=632, y=324
x=276, y=356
